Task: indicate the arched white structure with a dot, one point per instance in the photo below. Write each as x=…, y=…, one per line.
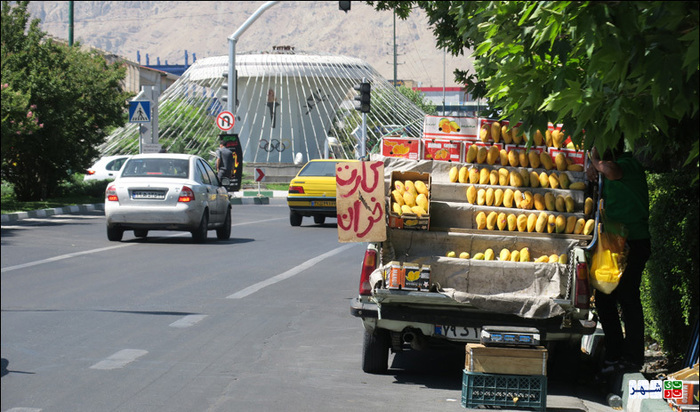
x=288, y=103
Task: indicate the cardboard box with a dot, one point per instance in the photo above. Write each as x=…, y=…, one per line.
x=458, y=128
x=417, y=277
x=394, y=276
x=405, y=147
x=506, y=360
x=408, y=220
x=442, y=150
x=407, y=276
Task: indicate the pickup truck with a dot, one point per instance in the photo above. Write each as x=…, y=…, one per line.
x=463, y=296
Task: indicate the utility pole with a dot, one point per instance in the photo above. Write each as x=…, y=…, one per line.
x=70, y=23
x=394, y=48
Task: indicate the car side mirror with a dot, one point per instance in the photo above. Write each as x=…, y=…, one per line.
x=225, y=181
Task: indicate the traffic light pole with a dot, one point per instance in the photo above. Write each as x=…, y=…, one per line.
x=363, y=143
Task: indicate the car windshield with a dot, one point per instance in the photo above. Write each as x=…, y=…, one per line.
x=162, y=167
x=318, y=169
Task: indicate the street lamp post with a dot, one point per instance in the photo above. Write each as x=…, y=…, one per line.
x=232, y=91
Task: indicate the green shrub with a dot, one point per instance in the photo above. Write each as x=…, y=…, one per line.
x=77, y=187
x=670, y=282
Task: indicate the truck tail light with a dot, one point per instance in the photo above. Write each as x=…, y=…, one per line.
x=186, y=195
x=111, y=194
x=296, y=190
x=369, y=264
x=583, y=294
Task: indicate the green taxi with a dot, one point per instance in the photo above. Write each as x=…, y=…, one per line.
x=312, y=191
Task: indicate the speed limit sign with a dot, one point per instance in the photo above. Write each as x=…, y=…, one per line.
x=225, y=120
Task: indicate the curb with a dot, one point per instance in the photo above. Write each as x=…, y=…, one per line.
x=41, y=213
x=78, y=209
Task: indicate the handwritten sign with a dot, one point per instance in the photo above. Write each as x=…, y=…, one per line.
x=360, y=202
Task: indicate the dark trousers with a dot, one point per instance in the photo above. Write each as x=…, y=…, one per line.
x=630, y=345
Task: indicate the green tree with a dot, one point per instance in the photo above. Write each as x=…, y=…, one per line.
x=607, y=68
x=419, y=99
x=68, y=97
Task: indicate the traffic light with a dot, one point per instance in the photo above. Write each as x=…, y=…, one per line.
x=229, y=90
x=363, y=98
x=224, y=87
x=344, y=6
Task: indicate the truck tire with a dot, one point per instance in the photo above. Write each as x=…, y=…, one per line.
x=375, y=352
x=564, y=360
x=319, y=220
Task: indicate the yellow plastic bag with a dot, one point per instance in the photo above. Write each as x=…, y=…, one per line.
x=610, y=257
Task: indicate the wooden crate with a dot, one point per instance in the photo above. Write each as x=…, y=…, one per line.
x=506, y=360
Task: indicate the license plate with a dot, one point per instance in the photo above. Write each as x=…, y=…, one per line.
x=459, y=333
x=142, y=194
x=323, y=203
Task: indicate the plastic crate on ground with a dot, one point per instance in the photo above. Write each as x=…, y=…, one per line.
x=511, y=391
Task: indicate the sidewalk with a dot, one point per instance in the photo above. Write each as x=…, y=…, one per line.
x=246, y=197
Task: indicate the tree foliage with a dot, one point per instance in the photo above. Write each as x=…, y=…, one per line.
x=611, y=69
x=57, y=104
x=419, y=99
x=671, y=283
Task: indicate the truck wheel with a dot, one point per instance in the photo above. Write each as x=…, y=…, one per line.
x=319, y=220
x=564, y=360
x=141, y=233
x=375, y=351
x=295, y=218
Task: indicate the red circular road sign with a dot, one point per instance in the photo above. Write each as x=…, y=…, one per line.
x=225, y=121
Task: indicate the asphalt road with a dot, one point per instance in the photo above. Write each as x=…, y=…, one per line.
x=257, y=323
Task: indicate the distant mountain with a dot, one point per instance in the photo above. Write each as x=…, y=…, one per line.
x=166, y=30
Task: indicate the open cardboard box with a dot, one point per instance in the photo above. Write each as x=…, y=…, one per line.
x=408, y=220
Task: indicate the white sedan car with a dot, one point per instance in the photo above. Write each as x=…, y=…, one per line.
x=166, y=191
x=106, y=168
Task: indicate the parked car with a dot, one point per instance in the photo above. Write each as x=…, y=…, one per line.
x=106, y=168
x=312, y=191
x=167, y=192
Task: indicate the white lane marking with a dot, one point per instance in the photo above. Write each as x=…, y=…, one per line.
x=288, y=274
x=119, y=359
x=61, y=257
x=104, y=249
x=187, y=321
x=24, y=410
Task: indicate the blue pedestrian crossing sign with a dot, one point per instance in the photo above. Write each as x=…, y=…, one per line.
x=139, y=111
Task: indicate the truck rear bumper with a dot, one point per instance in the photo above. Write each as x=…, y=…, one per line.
x=556, y=328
